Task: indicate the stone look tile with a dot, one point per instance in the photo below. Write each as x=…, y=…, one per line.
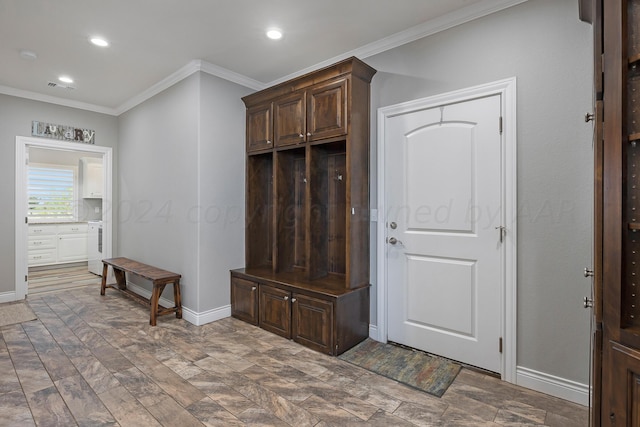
x=49, y=409
x=109, y=367
x=95, y=374
x=256, y=417
x=126, y=409
x=169, y=413
x=86, y=407
x=211, y=414
x=15, y=410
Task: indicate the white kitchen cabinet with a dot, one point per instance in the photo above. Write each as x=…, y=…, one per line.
x=91, y=178
x=72, y=242
x=51, y=244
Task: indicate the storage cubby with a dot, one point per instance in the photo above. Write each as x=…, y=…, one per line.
x=259, y=211
x=307, y=235
x=328, y=211
x=291, y=182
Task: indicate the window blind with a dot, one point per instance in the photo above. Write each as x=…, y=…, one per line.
x=51, y=192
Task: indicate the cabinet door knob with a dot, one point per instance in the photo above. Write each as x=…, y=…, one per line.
x=308, y=133
x=253, y=288
x=286, y=298
x=268, y=142
x=293, y=300
x=301, y=135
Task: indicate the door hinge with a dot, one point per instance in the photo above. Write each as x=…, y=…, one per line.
x=26, y=220
x=25, y=278
x=500, y=125
x=500, y=345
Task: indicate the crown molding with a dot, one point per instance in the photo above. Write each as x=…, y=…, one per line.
x=232, y=76
x=428, y=28
x=184, y=72
x=34, y=96
x=442, y=23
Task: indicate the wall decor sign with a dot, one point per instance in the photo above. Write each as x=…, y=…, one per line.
x=62, y=132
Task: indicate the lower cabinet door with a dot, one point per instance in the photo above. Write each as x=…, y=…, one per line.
x=275, y=310
x=244, y=300
x=313, y=323
x=621, y=386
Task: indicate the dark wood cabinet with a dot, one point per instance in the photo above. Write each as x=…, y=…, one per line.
x=307, y=206
x=244, y=300
x=616, y=367
x=327, y=110
x=275, y=310
x=318, y=314
x=290, y=120
x=312, y=323
x=259, y=128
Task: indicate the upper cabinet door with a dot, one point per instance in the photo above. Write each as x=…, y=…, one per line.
x=259, y=130
x=327, y=110
x=289, y=120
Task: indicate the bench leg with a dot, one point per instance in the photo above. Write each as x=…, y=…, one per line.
x=103, y=284
x=177, y=299
x=121, y=278
x=155, y=298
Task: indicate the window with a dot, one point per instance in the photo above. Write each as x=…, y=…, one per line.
x=51, y=193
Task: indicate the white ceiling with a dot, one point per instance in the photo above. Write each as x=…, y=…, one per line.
x=156, y=42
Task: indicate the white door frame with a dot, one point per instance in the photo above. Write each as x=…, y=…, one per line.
x=22, y=230
x=507, y=89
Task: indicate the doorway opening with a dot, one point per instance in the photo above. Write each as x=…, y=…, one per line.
x=63, y=214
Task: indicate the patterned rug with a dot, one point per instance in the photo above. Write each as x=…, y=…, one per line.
x=414, y=368
x=15, y=312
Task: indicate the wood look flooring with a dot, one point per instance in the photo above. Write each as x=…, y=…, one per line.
x=94, y=361
x=56, y=279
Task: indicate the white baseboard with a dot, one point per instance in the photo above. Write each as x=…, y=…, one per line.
x=208, y=316
x=189, y=315
x=8, y=296
x=373, y=332
x=555, y=386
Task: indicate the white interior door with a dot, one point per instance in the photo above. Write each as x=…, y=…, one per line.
x=444, y=216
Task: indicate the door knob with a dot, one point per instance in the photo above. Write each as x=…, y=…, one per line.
x=393, y=240
x=393, y=225
x=588, y=272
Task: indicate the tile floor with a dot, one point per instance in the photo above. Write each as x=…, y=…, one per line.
x=94, y=361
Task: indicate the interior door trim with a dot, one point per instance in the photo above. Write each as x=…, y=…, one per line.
x=507, y=90
x=21, y=227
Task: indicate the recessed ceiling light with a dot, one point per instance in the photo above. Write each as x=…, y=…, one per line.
x=98, y=41
x=27, y=54
x=274, y=33
x=65, y=79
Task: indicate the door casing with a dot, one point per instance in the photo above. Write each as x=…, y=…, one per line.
x=507, y=90
x=21, y=227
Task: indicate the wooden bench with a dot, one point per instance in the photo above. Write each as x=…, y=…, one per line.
x=159, y=278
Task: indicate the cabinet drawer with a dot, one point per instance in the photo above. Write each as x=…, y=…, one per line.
x=73, y=228
x=44, y=229
x=244, y=300
x=42, y=257
x=42, y=242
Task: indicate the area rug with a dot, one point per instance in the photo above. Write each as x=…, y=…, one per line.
x=414, y=368
x=17, y=312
